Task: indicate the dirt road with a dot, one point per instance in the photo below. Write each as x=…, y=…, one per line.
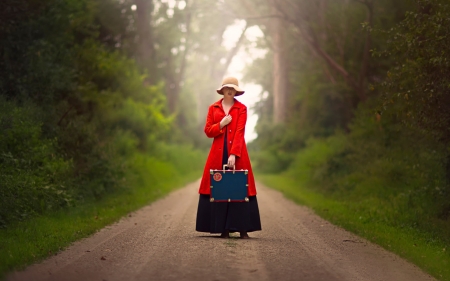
x=159, y=242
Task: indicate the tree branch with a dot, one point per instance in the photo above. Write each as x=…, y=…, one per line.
x=186, y=48
x=310, y=37
x=64, y=115
x=262, y=17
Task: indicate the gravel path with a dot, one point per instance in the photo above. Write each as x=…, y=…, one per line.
x=159, y=242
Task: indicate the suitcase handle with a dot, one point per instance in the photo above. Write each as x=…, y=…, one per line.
x=225, y=165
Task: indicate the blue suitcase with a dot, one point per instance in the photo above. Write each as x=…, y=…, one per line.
x=229, y=185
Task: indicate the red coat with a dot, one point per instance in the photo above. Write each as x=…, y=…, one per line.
x=236, y=143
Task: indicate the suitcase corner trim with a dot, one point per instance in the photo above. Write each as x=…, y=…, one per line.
x=246, y=199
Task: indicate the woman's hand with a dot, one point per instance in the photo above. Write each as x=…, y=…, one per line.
x=225, y=121
x=231, y=160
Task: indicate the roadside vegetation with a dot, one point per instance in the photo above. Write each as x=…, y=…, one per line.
x=372, y=157
x=87, y=134
x=27, y=241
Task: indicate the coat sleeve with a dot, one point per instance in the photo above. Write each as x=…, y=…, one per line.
x=212, y=129
x=238, y=140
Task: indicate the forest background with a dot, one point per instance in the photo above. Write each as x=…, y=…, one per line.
x=101, y=98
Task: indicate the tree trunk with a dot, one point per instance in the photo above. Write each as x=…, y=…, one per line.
x=146, y=51
x=366, y=54
x=279, y=73
x=174, y=81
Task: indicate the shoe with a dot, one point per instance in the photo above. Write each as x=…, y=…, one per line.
x=244, y=235
x=225, y=234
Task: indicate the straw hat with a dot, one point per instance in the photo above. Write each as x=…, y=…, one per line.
x=231, y=82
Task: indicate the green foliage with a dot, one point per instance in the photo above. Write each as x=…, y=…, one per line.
x=417, y=88
x=383, y=165
x=417, y=94
x=79, y=119
x=312, y=163
x=277, y=142
x=34, y=177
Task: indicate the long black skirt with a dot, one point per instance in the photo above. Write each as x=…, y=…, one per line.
x=216, y=217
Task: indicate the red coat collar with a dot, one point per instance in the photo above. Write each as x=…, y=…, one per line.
x=237, y=104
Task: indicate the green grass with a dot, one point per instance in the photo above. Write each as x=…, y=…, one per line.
x=424, y=247
x=29, y=241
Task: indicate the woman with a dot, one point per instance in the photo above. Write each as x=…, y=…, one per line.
x=226, y=124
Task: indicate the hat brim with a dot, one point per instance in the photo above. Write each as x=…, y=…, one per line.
x=239, y=91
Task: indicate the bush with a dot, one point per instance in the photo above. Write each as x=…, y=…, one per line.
x=377, y=162
x=34, y=177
